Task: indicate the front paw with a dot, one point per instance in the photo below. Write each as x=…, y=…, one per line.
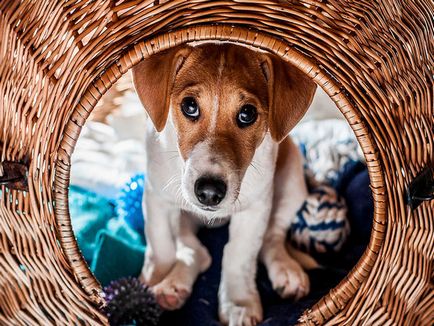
x=288, y=278
x=171, y=294
x=245, y=313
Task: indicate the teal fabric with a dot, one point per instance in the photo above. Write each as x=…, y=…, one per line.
x=116, y=257
x=111, y=247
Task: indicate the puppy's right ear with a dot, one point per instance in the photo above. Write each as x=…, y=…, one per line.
x=153, y=80
x=290, y=94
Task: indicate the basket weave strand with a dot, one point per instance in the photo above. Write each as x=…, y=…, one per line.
x=57, y=58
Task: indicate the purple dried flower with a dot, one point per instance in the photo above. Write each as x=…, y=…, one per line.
x=129, y=302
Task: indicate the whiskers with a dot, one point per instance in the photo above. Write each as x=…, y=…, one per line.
x=257, y=167
x=237, y=205
x=179, y=197
x=175, y=183
x=175, y=180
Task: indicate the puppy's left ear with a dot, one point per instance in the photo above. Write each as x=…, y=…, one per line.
x=153, y=80
x=290, y=94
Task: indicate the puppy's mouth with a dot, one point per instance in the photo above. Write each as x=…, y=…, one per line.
x=208, y=209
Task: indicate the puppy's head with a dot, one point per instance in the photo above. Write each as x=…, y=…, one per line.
x=222, y=99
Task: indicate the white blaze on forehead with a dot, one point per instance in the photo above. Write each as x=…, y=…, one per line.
x=216, y=100
x=201, y=160
x=214, y=113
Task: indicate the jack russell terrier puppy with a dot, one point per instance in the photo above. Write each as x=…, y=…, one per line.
x=218, y=151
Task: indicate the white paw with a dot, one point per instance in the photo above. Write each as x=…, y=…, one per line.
x=172, y=292
x=288, y=278
x=247, y=313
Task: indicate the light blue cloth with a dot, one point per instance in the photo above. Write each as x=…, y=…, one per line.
x=112, y=248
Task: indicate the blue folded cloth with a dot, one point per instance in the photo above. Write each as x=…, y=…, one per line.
x=90, y=213
x=116, y=256
x=111, y=246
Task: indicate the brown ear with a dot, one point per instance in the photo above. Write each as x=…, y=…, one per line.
x=290, y=95
x=153, y=80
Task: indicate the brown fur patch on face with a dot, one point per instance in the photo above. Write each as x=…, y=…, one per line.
x=221, y=78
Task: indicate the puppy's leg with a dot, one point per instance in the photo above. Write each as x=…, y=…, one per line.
x=192, y=258
x=161, y=249
x=240, y=304
x=286, y=274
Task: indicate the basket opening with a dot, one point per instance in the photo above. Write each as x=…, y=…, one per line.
x=108, y=175
x=321, y=310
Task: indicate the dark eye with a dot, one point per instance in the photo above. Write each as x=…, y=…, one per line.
x=247, y=116
x=190, y=108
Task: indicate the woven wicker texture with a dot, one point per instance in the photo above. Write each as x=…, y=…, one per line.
x=57, y=58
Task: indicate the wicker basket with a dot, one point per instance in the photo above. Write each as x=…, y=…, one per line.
x=57, y=58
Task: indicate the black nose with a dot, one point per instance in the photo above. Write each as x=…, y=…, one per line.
x=210, y=191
